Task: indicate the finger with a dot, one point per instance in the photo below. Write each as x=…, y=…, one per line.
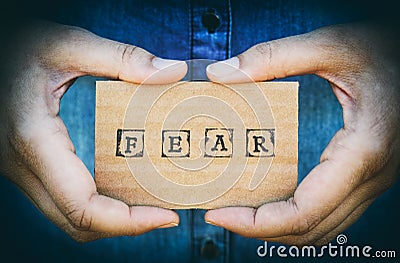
x=344, y=215
x=281, y=58
x=318, y=235
x=73, y=190
x=353, y=217
x=371, y=189
x=37, y=194
x=81, y=51
x=319, y=194
x=295, y=216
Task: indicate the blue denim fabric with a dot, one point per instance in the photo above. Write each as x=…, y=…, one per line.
x=173, y=29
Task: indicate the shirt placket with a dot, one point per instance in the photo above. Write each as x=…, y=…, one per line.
x=210, y=37
x=208, y=42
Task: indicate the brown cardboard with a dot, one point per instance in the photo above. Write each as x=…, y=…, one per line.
x=196, y=144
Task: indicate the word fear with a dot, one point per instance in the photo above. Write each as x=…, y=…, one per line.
x=218, y=143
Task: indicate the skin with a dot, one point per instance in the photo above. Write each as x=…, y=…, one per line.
x=361, y=63
x=39, y=65
x=360, y=163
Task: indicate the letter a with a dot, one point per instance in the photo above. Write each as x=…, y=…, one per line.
x=220, y=140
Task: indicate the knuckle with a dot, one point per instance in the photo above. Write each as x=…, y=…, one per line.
x=370, y=155
x=258, y=60
x=132, y=54
x=301, y=224
x=132, y=60
x=57, y=43
x=79, y=235
x=73, y=32
x=270, y=59
x=66, y=36
x=264, y=50
x=127, y=52
x=80, y=219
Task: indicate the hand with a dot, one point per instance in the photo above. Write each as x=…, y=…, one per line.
x=39, y=64
x=362, y=160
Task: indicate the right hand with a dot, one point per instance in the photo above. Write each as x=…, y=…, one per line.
x=361, y=63
x=39, y=64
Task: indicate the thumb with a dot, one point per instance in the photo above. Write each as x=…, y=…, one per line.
x=296, y=55
x=89, y=54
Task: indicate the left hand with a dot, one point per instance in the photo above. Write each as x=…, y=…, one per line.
x=40, y=62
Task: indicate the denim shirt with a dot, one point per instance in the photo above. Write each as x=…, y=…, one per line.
x=213, y=30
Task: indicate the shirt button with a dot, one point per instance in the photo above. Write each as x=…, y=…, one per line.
x=210, y=20
x=209, y=250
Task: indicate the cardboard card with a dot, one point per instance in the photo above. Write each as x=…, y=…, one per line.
x=196, y=144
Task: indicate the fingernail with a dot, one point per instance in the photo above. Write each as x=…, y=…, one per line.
x=225, y=67
x=169, y=225
x=211, y=223
x=169, y=64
